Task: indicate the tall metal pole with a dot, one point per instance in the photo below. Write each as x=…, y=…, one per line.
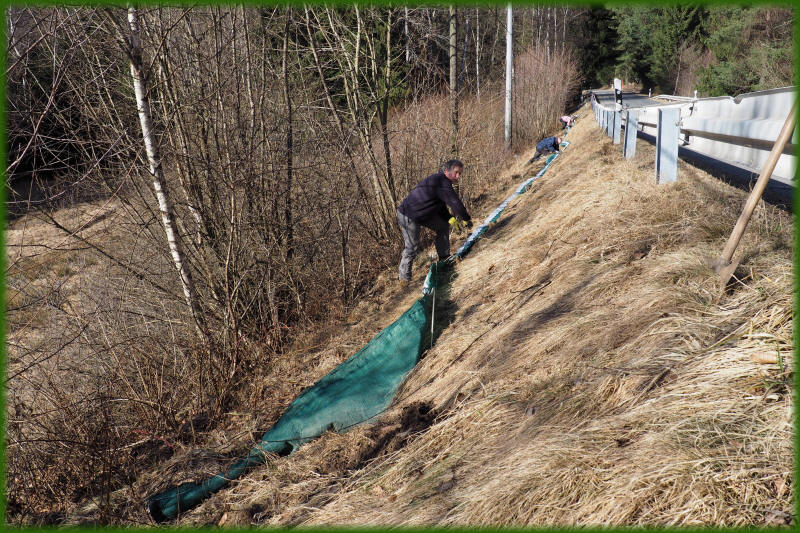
x=509, y=72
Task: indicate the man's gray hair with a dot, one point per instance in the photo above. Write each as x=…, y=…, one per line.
x=453, y=163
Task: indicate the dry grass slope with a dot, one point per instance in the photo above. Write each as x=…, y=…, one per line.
x=594, y=372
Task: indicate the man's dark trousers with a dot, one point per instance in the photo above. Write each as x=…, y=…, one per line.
x=410, y=230
x=547, y=145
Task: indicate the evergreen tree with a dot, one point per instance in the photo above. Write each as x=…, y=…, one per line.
x=632, y=43
x=648, y=41
x=597, y=41
x=751, y=50
x=668, y=30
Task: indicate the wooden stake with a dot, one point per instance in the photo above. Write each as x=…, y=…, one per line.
x=723, y=265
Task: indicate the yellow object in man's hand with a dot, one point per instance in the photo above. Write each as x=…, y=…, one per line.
x=455, y=223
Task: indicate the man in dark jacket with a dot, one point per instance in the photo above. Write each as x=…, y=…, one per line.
x=426, y=205
x=545, y=146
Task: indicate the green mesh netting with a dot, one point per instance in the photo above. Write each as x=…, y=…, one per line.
x=354, y=392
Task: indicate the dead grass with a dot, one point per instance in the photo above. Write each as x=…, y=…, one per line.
x=595, y=373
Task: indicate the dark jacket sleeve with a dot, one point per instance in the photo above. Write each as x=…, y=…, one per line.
x=448, y=195
x=555, y=144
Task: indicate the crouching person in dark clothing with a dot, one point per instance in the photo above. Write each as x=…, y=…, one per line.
x=426, y=205
x=546, y=146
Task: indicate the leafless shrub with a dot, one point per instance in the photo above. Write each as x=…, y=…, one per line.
x=692, y=59
x=284, y=212
x=543, y=84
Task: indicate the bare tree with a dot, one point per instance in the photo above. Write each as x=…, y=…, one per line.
x=259, y=157
x=159, y=183
x=453, y=82
x=477, y=54
x=547, y=34
x=509, y=75
x=289, y=141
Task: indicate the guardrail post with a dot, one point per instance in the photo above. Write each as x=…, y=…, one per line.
x=667, y=145
x=609, y=121
x=631, y=125
x=617, y=126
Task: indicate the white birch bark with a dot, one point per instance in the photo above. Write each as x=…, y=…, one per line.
x=405, y=32
x=555, y=30
x=547, y=34
x=509, y=71
x=453, y=84
x=154, y=159
x=12, y=39
x=477, y=54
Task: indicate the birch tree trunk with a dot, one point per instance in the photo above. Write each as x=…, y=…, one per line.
x=453, y=84
x=547, y=34
x=477, y=54
x=289, y=140
x=159, y=183
x=509, y=72
x=555, y=30
x=11, y=37
x=383, y=110
x=538, y=26
x=405, y=33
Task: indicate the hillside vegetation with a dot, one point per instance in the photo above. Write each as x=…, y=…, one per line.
x=201, y=223
x=594, y=372
x=716, y=50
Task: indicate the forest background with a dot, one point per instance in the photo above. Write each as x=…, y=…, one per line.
x=285, y=137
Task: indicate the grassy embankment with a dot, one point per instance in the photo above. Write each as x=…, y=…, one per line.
x=594, y=371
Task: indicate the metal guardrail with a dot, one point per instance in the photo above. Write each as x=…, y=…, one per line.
x=737, y=131
x=673, y=98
